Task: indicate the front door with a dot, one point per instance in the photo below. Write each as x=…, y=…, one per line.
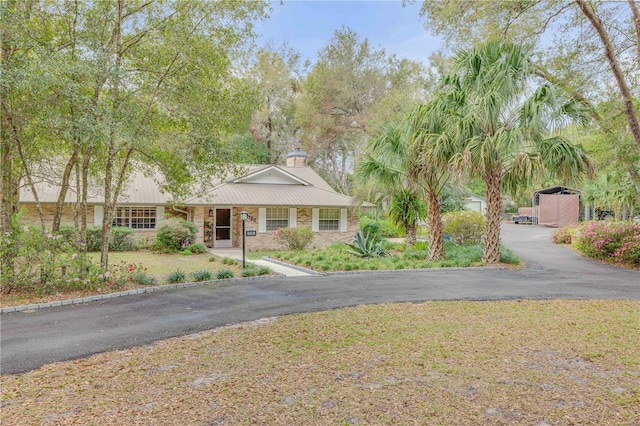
x=223, y=228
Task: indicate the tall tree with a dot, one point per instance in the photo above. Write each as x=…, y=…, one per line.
x=508, y=133
x=351, y=90
x=579, y=46
x=135, y=83
x=277, y=75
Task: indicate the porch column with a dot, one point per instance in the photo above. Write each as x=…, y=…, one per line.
x=198, y=220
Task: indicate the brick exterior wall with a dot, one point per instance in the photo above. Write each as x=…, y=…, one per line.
x=31, y=216
x=200, y=216
x=267, y=241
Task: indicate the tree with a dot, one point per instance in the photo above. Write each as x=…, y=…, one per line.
x=507, y=132
x=386, y=165
x=579, y=46
x=277, y=76
x=350, y=91
x=134, y=82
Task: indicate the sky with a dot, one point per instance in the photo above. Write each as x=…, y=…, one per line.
x=308, y=26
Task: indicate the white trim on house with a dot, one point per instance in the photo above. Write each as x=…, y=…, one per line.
x=262, y=219
x=343, y=220
x=293, y=217
x=315, y=219
x=98, y=215
x=271, y=175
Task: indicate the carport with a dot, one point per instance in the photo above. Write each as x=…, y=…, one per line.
x=556, y=206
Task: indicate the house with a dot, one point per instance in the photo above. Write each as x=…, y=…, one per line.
x=274, y=197
x=475, y=203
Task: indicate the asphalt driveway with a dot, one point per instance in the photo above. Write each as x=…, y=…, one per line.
x=30, y=339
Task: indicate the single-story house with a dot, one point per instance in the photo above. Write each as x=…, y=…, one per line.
x=274, y=197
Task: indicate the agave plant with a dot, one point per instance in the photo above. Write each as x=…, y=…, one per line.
x=367, y=245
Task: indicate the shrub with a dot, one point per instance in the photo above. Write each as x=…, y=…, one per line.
x=229, y=261
x=297, y=238
x=201, y=275
x=94, y=238
x=175, y=234
x=45, y=263
x=198, y=248
x=381, y=228
x=263, y=270
x=177, y=277
x=212, y=258
x=143, y=278
x=186, y=252
x=603, y=239
x=249, y=272
x=121, y=239
x=563, y=235
x=225, y=274
x=465, y=227
x=629, y=252
x=365, y=245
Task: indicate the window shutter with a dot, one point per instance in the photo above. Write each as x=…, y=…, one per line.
x=315, y=220
x=343, y=220
x=293, y=217
x=159, y=214
x=98, y=215
x=262, y=219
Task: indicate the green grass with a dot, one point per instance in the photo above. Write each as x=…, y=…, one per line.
x=335, y=258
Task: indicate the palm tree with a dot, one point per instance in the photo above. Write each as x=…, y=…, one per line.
x=386, y=164
x=432, y=150
x=504, y=130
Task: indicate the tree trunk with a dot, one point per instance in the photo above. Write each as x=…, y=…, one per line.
x=85, y=190
x=436, y=233
x=411, y=235
x=491, y=253
x=627, y=98
x=636, y=23
x=115, y=46
x=31, y=184
x=64, y=187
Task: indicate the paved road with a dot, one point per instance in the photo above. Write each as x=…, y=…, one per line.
x=32, y=339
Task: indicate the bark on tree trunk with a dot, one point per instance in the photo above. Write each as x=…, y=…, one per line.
x=116, y=48
x=64, y=187
x=31, y=185
x=627, y=98
x=436, y=234
x=636, y=23
x=491, y=253
x=85, y=186
x=411, y=235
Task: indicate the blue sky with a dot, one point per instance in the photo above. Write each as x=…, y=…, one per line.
x=308, y=26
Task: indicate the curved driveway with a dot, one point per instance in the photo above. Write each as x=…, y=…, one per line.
x=32, y=339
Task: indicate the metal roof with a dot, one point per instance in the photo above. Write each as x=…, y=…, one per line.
x=306, y=188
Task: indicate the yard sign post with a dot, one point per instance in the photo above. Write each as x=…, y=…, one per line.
x=243, y=216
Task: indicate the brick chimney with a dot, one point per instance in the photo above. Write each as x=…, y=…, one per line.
x=297, y=158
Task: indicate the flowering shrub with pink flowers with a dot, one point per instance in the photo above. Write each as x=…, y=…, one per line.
x=607, y=240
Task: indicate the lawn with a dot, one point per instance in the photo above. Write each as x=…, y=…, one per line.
x=491, y=363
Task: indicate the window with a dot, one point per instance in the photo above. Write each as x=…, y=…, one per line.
x=329, y=219
x=135, y=217
x=277, y=217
